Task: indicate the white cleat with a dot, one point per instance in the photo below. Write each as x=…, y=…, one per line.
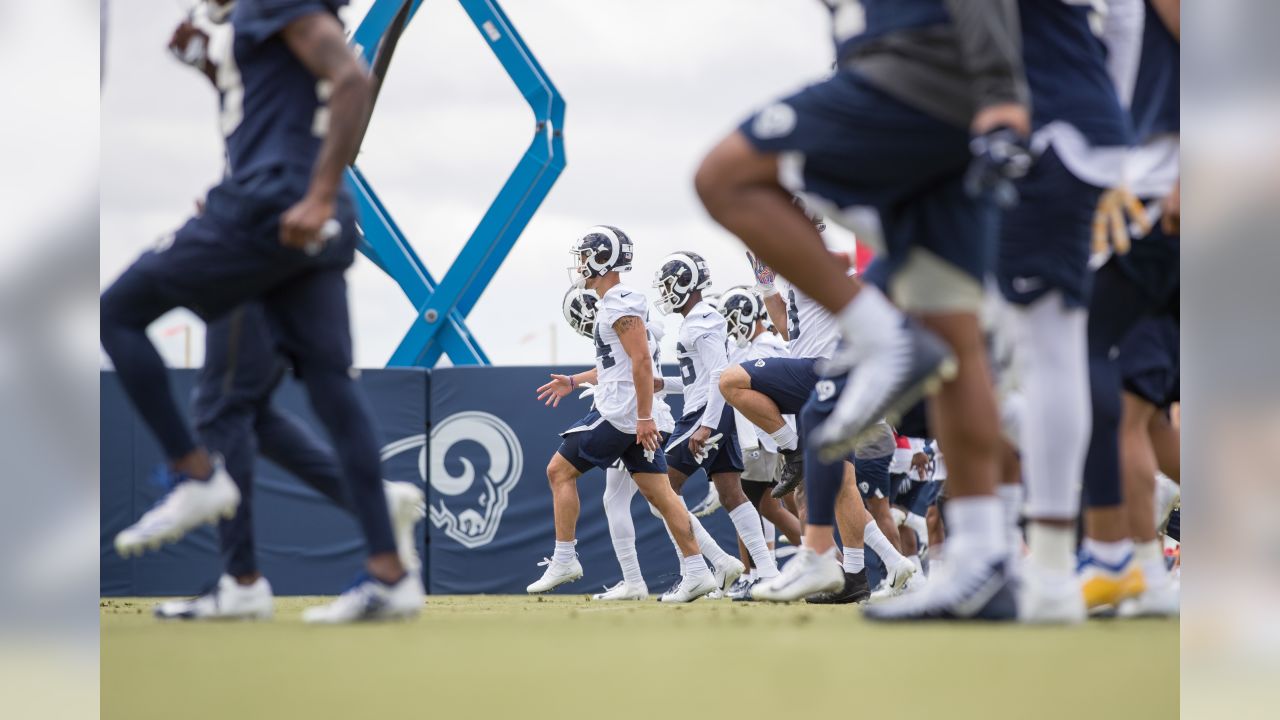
x=709, y=504
x=369, y=599
x=804, y=575
x=901, y=578
x=1159, y=599
x=690, y=588
x=623, y=591
x=408, y=506
x=727, y=574
x=1047, y=600
x=190, y=504
x=556, y=574
x=228, y=600
x=1168, y=495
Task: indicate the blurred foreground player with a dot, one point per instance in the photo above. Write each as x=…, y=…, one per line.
x=928, y=93
x=279, y=228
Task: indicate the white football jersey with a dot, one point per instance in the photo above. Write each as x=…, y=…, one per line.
x=702, y=353
x=615, y=391
x=811, y=330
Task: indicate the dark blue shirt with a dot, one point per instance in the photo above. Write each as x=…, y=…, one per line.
x=1066, y=65
x=1155, y=92
x=273, y=109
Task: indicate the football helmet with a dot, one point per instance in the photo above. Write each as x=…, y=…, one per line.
x=678, y=277
x=580, y=311
x=602, y=249
x=741, y=307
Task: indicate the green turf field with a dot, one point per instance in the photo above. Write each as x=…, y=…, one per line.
x=494, y=656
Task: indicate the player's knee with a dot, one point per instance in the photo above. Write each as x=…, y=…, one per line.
x=730, y=165
x=559, y=472
x=733, y=381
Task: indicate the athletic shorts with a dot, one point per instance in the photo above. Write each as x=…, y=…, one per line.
x=843, y=144
x=1045, y=239
x=594, y=442
x=872, y=475
x=785, y=381
x=724, y=459
x=1149, y=361
x=919, y=496
x=760, y=465
x=1154, y=265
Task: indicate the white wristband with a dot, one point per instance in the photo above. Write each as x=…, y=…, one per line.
x=766, y=290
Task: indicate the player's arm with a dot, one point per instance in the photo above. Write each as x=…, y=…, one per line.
x=714, y=357
x=1170, y=13
x=318, y=41
x=561, y=385
x=190, y=45
x=773, y=303
x=635, y=341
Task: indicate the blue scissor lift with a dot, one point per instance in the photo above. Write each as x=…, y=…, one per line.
x=439, y=325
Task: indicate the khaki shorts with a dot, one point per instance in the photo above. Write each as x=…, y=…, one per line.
x=760, y=465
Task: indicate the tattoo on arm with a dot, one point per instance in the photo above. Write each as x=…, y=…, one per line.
x=625, y=324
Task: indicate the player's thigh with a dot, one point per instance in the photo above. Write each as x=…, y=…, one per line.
x=309, y=315
x=785, y=381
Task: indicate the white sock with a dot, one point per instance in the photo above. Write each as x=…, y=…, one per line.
x=1114, y=553
x=976, y=522
x=869, y=320
x=1052, y=361
x=693, y=566
x=629, y=561
x=619, y=489
x=1052, y=547
x=915, y=560
x=770, y=532
x=1011, y=497
x=919, y=525
x=879, y=542
x=854, y=560
x=1150, y=557
x=707, y=544
x=786, y=437
x=564, y=553
x=747, y=522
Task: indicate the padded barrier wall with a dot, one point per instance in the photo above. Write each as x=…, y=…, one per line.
x=490, y=517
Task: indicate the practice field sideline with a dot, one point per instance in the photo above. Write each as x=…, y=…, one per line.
x=488, y=656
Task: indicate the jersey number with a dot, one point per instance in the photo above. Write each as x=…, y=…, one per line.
x=231, y=87
x=604, y=353
x=687, y=373
x=793, y=316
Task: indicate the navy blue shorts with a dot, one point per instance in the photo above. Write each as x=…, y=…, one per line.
x=919, y=496
x=872, y=475
x=593, y=442
x=785, y=381
x=1153, y=264
x=231, y=253
x=1149, y=365
x=1045, y=239
x=726, y=458
x=846, y=144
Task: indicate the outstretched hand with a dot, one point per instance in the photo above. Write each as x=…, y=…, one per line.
x=552, y=392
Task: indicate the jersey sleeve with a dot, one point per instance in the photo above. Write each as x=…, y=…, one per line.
x=256, y=21
x=617, y=305
x=711, y=348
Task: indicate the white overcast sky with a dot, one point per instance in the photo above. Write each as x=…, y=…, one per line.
x=649, y=87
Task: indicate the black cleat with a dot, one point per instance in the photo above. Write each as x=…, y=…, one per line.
x=855, y=590
x=792, y=473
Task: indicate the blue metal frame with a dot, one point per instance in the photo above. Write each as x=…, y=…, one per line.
x=439, y=327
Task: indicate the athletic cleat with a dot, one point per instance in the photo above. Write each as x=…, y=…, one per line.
x=408, y=506
x=690, y=589
x=806, y=574
x=369, y=599
x=792, y=473
x=1104, y=587
x=726, y=575
x=709, y=504
x=190, y=504
x=556, y=574
x=882, y=385
x=855, y=590
x=1168, y=495
x=741, y=590
x=623, y=591
x=899, y=579
x=227, y=600
x=970, y=591
x=1044, y=599
x=1160, y=599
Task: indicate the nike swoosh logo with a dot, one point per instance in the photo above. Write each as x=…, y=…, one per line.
x=626, y=294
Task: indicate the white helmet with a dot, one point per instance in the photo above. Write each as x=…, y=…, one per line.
x=679, y=276
x=579, y=308
x=742, y=308
x=602, y=249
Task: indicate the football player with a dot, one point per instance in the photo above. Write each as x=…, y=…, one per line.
x=279, y=228
x=706, y=436
x=622, y=425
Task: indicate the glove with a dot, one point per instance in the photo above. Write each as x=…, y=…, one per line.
x=1000, y=156
x=765, y=276
x=712, y=443
x=190, y=45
